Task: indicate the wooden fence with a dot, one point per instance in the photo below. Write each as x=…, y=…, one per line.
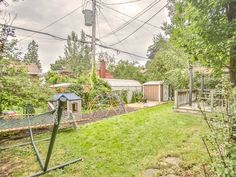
x=182, y=97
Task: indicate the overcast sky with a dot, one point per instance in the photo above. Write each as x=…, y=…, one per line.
x=36, y=14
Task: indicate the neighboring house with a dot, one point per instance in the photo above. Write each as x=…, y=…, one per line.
x=64, y=72
x=33, y=70
x=129, y=85
x=102, y=71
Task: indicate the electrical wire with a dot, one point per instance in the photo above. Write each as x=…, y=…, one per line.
x=109, y=25
x=65, y=39
x=120, y=3
x=117, y=11
x=140, y=26
x=56, y=21
x=142, y=12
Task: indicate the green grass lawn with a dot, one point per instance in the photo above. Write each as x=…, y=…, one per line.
x=122, y=146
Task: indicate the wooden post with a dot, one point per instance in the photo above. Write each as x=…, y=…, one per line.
x=176, y=100
x=212, y=100
x=190, y=84
x=202, y=84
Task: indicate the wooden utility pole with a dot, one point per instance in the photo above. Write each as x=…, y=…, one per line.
x=190, y=84
x=231, y=14
x=94, y=34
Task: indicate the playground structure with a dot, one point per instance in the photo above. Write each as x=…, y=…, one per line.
x=106, y=105
x=72, y=107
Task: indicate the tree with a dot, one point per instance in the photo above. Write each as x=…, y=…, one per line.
x=206, y=30
x=77, y=55
x=128, y=70
x=17, y=89
x=31, y=55
x=155, y=47
x=169, y=64
x=55, y=78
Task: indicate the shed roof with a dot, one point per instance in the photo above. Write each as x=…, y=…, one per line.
x=60, y=85
x=123, y=83
x=154, y=83
x=69, y=96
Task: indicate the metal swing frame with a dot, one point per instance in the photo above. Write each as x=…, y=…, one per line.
x=45, y=165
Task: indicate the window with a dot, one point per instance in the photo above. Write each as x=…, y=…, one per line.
x=74, y=107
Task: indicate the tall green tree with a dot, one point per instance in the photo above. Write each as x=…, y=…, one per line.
x=155, y=47
x=169, y=64
x=77, y=55
x=128, y=70
x=206, y=30
x=31, y=55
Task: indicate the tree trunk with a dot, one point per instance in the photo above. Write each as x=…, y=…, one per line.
x=231, y=14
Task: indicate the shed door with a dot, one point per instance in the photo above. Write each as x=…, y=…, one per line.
x=165, y=93
x=151, y=92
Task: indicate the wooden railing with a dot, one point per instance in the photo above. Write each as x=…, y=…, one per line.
x=208, y=100
x=182, y=97
x=218, y=101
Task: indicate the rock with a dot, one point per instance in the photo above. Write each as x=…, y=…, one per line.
x=173, y=160
x=150, y=172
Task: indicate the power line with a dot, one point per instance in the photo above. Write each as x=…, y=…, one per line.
x=117, y=11
x=142, y=12
x=120, y=3
x=109, y=25
x=65, y=39
x=140, y=26
x=54, y=22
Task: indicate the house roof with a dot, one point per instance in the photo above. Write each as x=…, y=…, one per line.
x=68, y=96
x=123, y=83
x=154, y=83
x=33, y=69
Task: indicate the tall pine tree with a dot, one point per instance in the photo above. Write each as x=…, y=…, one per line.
x=77, y=55
x=31, y=55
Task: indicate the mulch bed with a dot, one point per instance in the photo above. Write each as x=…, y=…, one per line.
x=86, y=118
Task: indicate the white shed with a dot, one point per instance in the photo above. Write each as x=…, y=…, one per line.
x=121, y=84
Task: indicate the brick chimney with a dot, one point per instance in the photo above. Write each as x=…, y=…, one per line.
x=102, y=69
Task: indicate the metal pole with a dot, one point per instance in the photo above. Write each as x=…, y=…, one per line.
x=202, y=84
x=56, y=167
x=61, y=101
x=93, y=34
x=34, y=145
x=190, y=84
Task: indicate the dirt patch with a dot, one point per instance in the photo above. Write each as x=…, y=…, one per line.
x=7, y=167
x=169, y=166
x=170, y=175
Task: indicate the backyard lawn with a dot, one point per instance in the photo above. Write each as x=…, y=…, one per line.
x=150, y=142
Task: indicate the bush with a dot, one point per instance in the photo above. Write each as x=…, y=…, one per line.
x=137, y=97
x=221, y=142
x=90, y=88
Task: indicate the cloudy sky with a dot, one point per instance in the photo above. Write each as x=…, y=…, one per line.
x=37, y=14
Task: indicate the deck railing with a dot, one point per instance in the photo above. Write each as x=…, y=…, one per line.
x=210, y=100
x=182, y=97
